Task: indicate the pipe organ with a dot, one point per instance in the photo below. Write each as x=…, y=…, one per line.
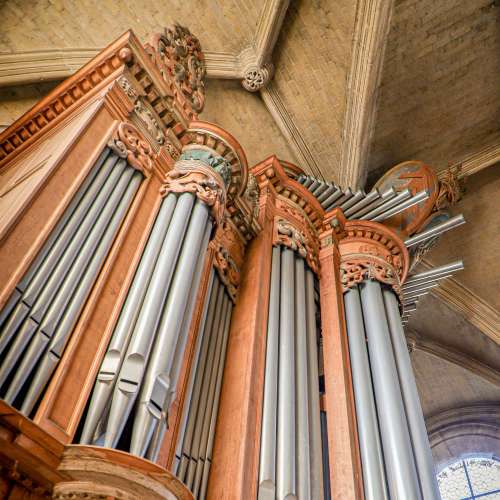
x=177, y=324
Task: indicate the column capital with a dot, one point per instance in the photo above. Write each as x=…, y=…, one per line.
x=371, y=250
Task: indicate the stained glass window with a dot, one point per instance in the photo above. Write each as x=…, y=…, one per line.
x=470, y=478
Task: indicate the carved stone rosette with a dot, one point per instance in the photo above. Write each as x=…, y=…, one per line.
x=369, y=250
x=128, y=143
x=194, y=176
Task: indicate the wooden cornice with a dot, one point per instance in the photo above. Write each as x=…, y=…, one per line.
x=476, y=310
x=420, y=343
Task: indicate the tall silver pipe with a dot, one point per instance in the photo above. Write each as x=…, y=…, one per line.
x=323, y=196
x=12, y=306
x=402, y=196
x=134, y=363
x=315, y=184
x=203, y=400
x=53, y=302
x=372, y=460
x=436, y=230
x=121, y=335
x=320, y=189
x=213, y=420
x=347, y=195
x=302, y=384
x=205, y=424
x=59, y=336
x=384, y=197
x=157, y=379
x=267, y=467
x=206, y=334
x=423, y=284
x=369, y=198
x=414, y=414
x=286, y=452
x=332, y=198
x=359, y=195
x=50, y=274
x=425, y=287
x=400, y=465
x=400, y=207
x=188, y=315
x=313, y=381
x=210, y=297
x=435, y=272
x=73, y=214
x=39, y=286
x=307, y=181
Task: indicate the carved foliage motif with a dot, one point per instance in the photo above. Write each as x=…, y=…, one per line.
x=128, y=143
x=200, y=181
x=128, y=88
x=219, y=164
x=227, y=269
x=451, y=189
x=147, y=117
x=251, y=195
x=354, y=270
x=183, y=60
x=288, y=235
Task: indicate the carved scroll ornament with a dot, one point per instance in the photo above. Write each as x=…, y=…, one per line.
x=129, y=144
x=288, y=235
x=183, y=60
x=206, y=184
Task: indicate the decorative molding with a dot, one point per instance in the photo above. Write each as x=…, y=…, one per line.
x=370, y=37
x=475, y=162
x=476, y=310
x=127, y=142
x=289, y=129
x=456, y=432
x=419, y=343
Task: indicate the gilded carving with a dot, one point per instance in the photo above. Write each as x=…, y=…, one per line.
x=150, y=122
x=128, y=143
x=184, y=62
x=201, y=181
x=251, y=195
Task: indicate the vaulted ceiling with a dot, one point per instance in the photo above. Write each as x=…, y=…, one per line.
x=358, y=87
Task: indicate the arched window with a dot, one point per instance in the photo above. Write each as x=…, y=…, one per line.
x=471, y=477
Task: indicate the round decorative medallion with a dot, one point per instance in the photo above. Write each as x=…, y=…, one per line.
x=415, y=176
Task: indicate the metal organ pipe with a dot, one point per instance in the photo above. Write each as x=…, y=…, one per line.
x=415, y=417
x=286, y=450
x=369, y=438
x=302, y=394
x=128, y=316
x=53, y=291
x=401, y=471
x=315, y=444
x=267, y=467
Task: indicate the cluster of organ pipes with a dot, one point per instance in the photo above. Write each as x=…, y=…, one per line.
x=38, y=319
x=139, y=372
x=291, y=462
x=378, y=207
x=196, y=437
x=394, y=447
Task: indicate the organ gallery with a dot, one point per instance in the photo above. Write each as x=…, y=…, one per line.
x=176, y=322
